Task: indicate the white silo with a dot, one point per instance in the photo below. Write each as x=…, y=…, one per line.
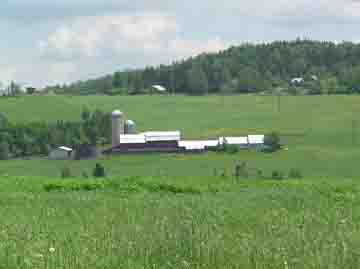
x=117, y=126
x=130, y=127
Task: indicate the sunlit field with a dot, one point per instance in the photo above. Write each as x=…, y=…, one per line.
x=180, y=223
x=190, y=211
x=321, y=133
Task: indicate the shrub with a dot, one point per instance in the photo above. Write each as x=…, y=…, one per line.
x=74, y=185
x=231, y=149
x=241, y=170
x=65, y=172
x=99, y=171
x=4, y=151
x=272, y=142
x=277, y=175
x=295, y=173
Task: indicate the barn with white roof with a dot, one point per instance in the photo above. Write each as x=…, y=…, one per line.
x=126, y=141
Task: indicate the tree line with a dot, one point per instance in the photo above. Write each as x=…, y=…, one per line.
x=249, y=68
x=38, y=138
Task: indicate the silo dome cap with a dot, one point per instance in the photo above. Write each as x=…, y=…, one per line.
x=116, y=113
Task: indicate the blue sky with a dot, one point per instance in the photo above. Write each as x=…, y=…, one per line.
x=46, y=42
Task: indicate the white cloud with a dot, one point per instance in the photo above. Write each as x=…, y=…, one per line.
x=96, y=43
x=144, y=34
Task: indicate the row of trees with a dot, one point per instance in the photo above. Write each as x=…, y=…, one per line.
x=21, y=140
x=244, y=69
x=13, y=89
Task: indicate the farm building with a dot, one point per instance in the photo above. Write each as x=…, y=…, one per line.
x=125, y=140
x=61, y=153
x=130, y=127
x=147, y=142
x=297, y=81
x=198, y=145
x=241, y=142
x=159, y=88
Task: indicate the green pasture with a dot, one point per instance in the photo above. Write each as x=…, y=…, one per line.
x=221, y=223
x=188, y=211
x=321, y=133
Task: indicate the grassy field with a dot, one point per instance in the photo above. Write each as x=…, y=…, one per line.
x=170, y=211
x=317, y=130
x=180, y=223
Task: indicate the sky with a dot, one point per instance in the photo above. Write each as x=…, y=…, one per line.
x=61, y=41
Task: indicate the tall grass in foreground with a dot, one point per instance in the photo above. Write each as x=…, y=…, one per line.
x=259, y=224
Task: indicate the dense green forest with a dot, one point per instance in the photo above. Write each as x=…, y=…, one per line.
x=326, y=67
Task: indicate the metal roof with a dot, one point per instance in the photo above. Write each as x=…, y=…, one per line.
x=297, y=80
x=65, y=149
x=242, y=140
x=193, y=145
x=159, y=88
x=132, y=139
x=162, y=136
x=256, y=139
x=130, y=122
x=116, y=113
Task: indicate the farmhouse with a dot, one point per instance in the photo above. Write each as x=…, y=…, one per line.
x=125, y=140
x=61, y=153
x=297, y=81
x=159, y=88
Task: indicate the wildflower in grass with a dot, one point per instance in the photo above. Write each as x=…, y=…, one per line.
x=52, y=249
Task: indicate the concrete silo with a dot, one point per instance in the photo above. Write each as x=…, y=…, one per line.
x=117, y=119
x=130, y=127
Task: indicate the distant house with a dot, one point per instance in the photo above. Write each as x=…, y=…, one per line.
x=297, y=81
x=30, y=90
x=159, y=89
x=314, y=78
x=61, y=153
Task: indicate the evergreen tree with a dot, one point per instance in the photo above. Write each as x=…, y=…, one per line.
x=4, y=150
x=197, y=81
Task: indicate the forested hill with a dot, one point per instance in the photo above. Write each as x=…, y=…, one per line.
x=325, y=67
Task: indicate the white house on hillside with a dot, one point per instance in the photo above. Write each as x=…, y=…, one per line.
x=61, y=153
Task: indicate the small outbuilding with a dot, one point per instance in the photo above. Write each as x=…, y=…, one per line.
x=297, y=81
x=159, y=88
x=61, y=153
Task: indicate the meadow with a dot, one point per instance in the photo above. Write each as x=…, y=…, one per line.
x=321, y=133
x=207, y=223
x=172, y=211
